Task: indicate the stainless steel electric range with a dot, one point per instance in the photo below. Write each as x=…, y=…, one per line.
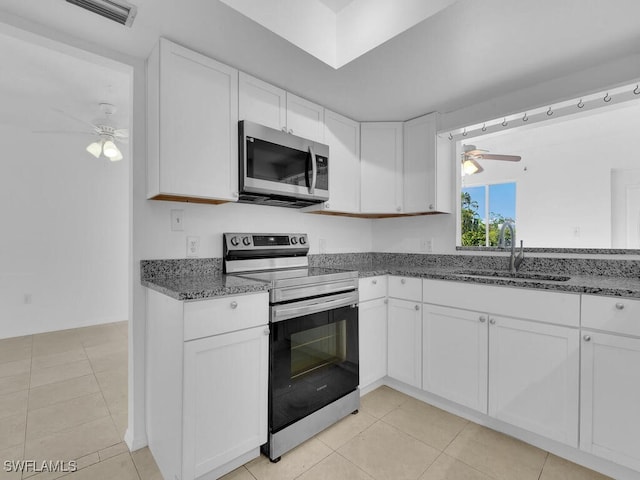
x=313, y=339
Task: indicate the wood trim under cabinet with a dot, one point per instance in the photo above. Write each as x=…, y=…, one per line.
x=373, y=215
x=180, y=198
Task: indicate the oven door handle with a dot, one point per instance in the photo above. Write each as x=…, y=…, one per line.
x=308, y=307
x=291, y=293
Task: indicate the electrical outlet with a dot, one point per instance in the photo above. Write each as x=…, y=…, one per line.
x=177, y=217
x=193, y=246
x=426, y=245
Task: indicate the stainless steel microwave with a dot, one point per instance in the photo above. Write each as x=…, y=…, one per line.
x=277, y=168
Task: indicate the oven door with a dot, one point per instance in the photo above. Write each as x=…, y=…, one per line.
x=277, y=163
x=313, y=356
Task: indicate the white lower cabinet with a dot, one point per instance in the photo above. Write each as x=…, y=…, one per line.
x=372, y=335
x=206, y=383
x=454, y=362
x=610, y=379
x=225, y=398
x=404, y=342
x=533, y=377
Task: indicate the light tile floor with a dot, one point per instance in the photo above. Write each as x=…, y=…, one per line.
x=63, y=396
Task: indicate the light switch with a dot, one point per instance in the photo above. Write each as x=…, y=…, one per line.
x=177, y=220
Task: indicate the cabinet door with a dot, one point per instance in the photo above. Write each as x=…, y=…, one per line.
x=372, y=335
x=225, y=398
x=428, y=168
x=305, y=119
x=381, y=167
x=610, y=396
x=533, y=377
x=404, y=344
x=454, y=355
x=198, y=125
x=343, y=137
x=261, y=102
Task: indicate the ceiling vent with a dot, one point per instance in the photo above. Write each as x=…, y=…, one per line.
x=118, y=11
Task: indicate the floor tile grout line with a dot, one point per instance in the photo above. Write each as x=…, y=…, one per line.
x=542, y=469
x=357, y=466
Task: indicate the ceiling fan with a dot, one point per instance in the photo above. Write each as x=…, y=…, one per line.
x=108, y=135
x=472, y=154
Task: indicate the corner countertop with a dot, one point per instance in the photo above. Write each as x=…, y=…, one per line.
x=589, y=284
x=200, y=287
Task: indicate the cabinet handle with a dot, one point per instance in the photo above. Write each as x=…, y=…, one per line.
x=587, y=338
x=374, y=281
x=291, y=131
x=620, y=306
x=284, y=129
x=266, y=331
x=234, y=304
x=483, y=319
x=326, y=205
x=417, y=307
x=431, y=206
x=403, y=281
x=398, y=209
x=492, y=321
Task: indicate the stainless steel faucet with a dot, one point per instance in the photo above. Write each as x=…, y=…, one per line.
x=514, y=262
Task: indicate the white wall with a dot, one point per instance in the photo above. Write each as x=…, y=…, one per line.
x=65, y=234
x=208, y=222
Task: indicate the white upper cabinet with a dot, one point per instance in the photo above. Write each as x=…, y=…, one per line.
x=261, y=102
x=381, y=168
x=343, y=137
x=428, y=168
x=192, y=126
x=305, y=118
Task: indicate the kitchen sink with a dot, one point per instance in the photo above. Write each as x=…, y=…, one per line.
x=514, y=276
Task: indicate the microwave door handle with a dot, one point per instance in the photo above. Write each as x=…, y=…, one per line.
x=314, y=171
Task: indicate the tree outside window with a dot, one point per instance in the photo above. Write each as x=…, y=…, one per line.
x=484, y=208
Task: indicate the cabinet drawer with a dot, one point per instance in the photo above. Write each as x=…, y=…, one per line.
x=614, y=314
x=372, y=287
x=406, y=288
x=525, y=303
x=225, y=314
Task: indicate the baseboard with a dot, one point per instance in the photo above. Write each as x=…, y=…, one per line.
x=135, y=443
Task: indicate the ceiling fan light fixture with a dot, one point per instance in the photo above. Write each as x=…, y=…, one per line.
x=116, y=157
x=470, y=166
x=110, y=150
x=95, y=148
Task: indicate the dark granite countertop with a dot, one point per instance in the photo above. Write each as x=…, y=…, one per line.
x=590, y=284
x=199, y=287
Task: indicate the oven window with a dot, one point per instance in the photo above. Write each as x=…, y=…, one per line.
x=318, y=348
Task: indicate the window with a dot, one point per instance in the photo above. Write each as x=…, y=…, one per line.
x=483, y=210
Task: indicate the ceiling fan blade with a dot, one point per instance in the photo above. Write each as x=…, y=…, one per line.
x=494, y=156
x=475, y=152
x=63, y=132
x=68, y=115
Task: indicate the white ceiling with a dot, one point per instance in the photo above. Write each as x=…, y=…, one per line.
x=336, y=5
x=468, y=53
x=36, y=81
x=342, y=32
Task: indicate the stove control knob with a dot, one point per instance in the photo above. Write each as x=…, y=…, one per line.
x=303, y=240
x=235, y=241
x=294, y=241
x=246, y=241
